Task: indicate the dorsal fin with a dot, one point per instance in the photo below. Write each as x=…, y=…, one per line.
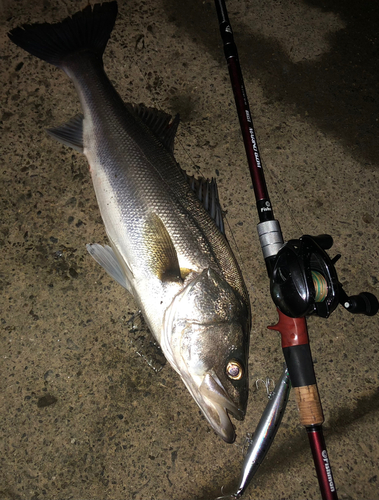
x=207, y=192
x=159, y=122
x=164, y=129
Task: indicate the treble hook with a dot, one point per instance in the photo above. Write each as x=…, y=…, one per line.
x=266, y=384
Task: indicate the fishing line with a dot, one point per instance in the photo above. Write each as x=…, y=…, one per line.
x=258, y=300
x=281, y=196
x=191, y=163
x=195, y=167
x=197, y=170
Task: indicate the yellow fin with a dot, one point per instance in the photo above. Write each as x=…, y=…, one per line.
x=163, y=259
x=184, y=272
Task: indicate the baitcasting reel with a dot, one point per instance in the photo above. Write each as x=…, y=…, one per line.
x=304, y=281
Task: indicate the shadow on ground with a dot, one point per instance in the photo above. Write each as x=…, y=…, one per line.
x=338, y=90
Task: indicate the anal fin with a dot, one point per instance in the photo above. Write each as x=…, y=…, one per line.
x=70, y=134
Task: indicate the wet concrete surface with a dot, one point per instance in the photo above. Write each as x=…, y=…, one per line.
x=82, y=415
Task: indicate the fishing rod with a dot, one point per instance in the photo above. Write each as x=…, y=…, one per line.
x=303, y=278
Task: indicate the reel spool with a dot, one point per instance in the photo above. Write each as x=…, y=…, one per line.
x=304, y=281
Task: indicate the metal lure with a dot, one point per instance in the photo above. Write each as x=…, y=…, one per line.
x=263, y=435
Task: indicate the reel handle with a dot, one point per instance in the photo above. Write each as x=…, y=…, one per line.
x=364, y=303
x=325, y=241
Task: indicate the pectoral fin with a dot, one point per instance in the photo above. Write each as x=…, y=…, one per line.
x=163, y=259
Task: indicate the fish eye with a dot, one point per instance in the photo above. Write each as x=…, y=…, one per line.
x=234, y=370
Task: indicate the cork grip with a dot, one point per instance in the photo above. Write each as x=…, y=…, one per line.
x=309, y=405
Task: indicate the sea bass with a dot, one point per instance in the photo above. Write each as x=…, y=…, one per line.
x=167, y=247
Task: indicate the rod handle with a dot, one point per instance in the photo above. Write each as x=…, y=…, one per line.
x=309, y=405
x=297, y=353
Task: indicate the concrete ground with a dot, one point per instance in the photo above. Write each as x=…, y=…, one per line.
x=82, y=415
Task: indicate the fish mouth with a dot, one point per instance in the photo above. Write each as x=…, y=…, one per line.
x=218, y=407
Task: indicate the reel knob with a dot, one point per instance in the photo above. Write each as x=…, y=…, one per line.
x=364, y=303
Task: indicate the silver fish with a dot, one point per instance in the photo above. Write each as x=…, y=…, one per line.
x=165, y=247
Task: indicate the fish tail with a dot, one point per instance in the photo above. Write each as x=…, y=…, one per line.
x=88, y=29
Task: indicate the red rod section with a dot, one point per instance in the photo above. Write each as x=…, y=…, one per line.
x=322, y=464
x=249, y=139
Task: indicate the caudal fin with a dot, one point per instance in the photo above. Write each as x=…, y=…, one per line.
x=88, y=29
